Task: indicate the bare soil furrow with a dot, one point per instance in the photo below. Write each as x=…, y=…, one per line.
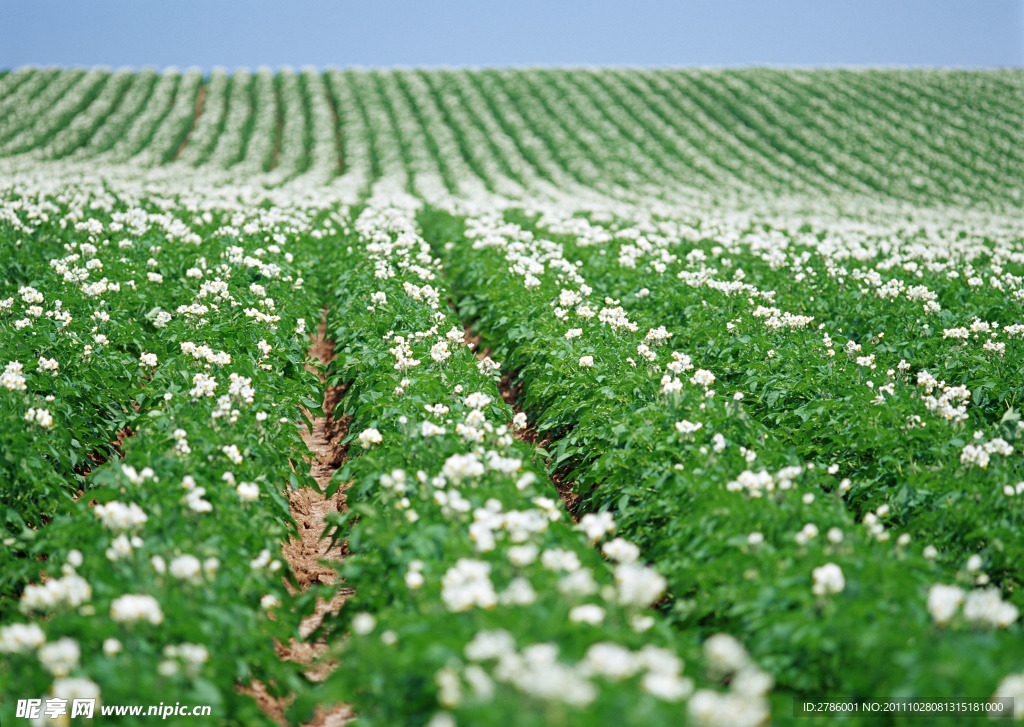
x=200, y=99
x=306, y=551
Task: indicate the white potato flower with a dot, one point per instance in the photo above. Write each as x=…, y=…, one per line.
x=828, y=579
x=369, y=437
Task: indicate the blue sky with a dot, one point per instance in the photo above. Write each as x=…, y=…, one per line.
x=963, y=33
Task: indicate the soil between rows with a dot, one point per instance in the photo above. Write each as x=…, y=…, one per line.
x=305, y=552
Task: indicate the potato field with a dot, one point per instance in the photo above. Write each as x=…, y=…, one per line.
x=512, y=398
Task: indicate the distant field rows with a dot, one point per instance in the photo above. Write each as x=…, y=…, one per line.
x=934, y=137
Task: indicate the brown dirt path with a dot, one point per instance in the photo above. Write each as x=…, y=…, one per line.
x=200, y=99
x=305, y=552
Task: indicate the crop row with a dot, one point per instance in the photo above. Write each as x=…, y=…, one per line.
x=477, y=601
x=857, y=352
x=153, y=377
x=676, y=136
x=756, y=536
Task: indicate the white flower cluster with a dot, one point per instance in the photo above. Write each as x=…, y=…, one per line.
x=979, y=455
x=777, y=321
x=981, y=607
x=205, y=353
x=194, y=496
x=951, y=404
x=828, y=579
x=658, y=335
x=597, y=525
x=136, y=607
x=536, y=671
x=429, y=429
x=439, y=352
x=639, y=586
x=48, y=364
x=203, y=386
x=670, y=385
x=60, y=657
x=73, y=688
x=241, y=388
x=438, y=410
x=68, y=590
x=232, y=452
x=18, y=638
x=369, y=437
x=688, y=427
x=403, y=354
x=41, y=417
x=616, y=319
x=12, y=379
x=137, y=477
x=468, y=584
x=119, y=517
x=122, y=547
x=1012, y=687
x=477, y=400
x=702, y=377
x=746, y=702
x=680, y=362
x=30, y=295
x=1013, y=490
x=248, y=491
x=460, y=467
x=488, y=366
x=755, y=484
x=621, y=550
x=264, y=560
x=186, y=568
x=489, y=522
x=186, y=658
